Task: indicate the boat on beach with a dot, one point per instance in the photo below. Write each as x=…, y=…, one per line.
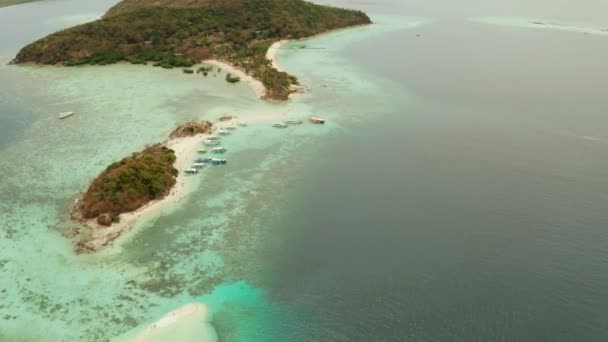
x=231, y=128
x=211, y=142
x=242, y=124
x=294, y=122
x=65, y=115
x=317, y=120
x=213, y=137
x=218, y=150
x=280, y=125
x=201, y=151
x=218, y=161
x=191, y=171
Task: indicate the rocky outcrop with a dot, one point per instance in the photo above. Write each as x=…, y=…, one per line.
x=105, y=219
x=191, y=128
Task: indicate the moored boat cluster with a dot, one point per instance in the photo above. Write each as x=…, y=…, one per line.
x=213, y=140
x=292, y=122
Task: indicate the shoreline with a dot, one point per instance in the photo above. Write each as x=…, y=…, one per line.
x=256, y=85
x=101, y=236
x=273, y=51
x=271, y=55
x=185, y=149
x=190, y=322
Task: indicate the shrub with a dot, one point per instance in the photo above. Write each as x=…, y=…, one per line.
x=232, y=79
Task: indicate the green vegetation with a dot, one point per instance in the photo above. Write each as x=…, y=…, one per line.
x=131, y=183
x=188, y=71
x=179, y=33
x=232, y=79
x=204, y=70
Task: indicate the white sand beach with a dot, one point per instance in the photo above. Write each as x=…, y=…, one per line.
x=272, y=52
x=185, y=150
x=256, y=85
x=187, y=323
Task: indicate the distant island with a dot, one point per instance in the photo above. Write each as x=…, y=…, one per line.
x=5, y=3
x=181, y=33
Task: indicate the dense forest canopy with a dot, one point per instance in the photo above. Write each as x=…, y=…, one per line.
x=180, y=33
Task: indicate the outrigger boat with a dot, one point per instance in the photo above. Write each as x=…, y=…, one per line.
x=231, y=128
x=211, y=142
x=204, y=160
x=242, y=124
x=213, y=137
x=198, y=166
x=218, y=150
x=317, y=120
x=294, y=122
x=280, y=125
x=65, y=114
x=219, y=161
x=201, y=151
x=191, y=171
x=223, y=132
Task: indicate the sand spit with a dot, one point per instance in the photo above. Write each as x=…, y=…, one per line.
x=185, y=148
x=256, y=86
x=98, y=236
x=187, y=323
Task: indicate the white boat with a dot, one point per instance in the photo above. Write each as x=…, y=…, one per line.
x=231, y=128
x=242, y=124
x=317, y=120
x=219, y=150
x=293, y=122
x=211, y=142
x=191, y=171
x=218, y=161
x=213, y=137
x=198, y=165
x=223, y=132
x=65, y=114
x=280, y=125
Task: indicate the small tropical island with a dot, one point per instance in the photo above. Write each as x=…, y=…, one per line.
x=133, y=184
x=182, y=33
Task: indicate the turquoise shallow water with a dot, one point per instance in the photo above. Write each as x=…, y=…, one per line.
x=456, y=193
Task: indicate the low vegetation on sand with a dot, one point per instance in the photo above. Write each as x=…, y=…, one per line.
x=129, y=184
x=180, y=33
x=232, y=79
